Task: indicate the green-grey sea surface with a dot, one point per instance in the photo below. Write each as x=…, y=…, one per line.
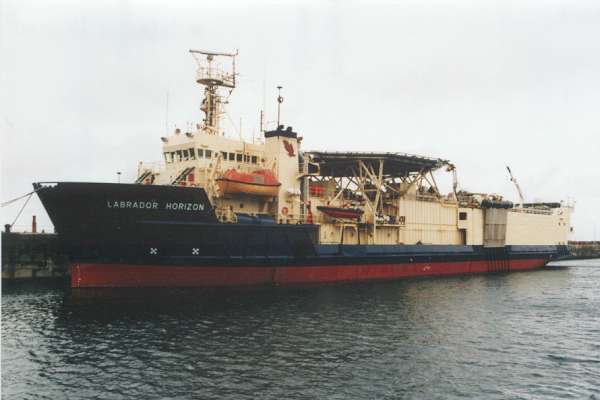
x=526, y=335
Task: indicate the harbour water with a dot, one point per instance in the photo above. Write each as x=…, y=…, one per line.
x=527, y=335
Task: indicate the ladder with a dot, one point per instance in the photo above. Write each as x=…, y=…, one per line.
x=181, y=177
x=146, y=174
x=211, y=184
x=497, y=259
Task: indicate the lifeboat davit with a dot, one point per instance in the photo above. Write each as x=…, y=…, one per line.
x=341, y=212
x=261, y=182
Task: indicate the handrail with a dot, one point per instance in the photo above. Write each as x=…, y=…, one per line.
x=531, y=211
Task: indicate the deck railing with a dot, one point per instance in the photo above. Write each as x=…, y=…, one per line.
x=539, y=211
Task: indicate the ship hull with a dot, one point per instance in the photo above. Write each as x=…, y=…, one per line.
x=121, y=235
x=331, y=264
x=134, y=275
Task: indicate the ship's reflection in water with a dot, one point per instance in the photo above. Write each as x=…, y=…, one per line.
x=503, y=336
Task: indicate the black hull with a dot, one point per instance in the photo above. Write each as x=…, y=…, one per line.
x=167, y=226
x=122, y=222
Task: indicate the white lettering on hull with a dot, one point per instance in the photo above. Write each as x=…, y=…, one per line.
x=184, y=206
x=152, y=205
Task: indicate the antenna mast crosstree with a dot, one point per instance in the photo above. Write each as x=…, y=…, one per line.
x=215, y=80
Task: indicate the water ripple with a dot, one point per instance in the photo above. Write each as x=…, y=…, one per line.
x=518, y=336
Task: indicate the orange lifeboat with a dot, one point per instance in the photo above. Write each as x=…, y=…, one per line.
x=261, y=182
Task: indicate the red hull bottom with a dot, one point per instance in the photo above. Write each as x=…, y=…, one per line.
x=131, y=275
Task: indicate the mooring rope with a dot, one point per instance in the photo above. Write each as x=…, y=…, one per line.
x=28, y=195
x=6, y=203
x=22, y=208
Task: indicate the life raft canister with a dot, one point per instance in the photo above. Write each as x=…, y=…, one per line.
x=284, y=211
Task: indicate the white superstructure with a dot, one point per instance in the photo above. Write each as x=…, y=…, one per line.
x=366, y=198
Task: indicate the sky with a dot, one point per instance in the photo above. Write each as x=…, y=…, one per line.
x=484, y=84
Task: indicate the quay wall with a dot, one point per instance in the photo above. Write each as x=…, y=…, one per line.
x=584, y=249
x=32, y=255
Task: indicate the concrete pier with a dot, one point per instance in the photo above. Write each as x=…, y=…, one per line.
x=32, y=255
x=584, y=249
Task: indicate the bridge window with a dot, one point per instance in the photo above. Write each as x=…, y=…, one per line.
x=224, y=154
x=192, y=154
x=179, y=155
x=168, y=157
x=462, y=216
x=200, y=153
x=231, y=156
x=185, y=154
x=208, y=153
x=254, y=159
x=238, y=157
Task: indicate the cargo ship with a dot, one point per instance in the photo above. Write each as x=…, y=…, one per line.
x=223, y=211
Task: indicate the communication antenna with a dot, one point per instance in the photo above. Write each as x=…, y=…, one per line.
x=214, y=79
x=262, y=121
x=264, y=101
x=279, y=101
x=514, y=180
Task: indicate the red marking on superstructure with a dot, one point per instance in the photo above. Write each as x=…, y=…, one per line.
x=316, y=190
x=131, y=275
x=289, y=148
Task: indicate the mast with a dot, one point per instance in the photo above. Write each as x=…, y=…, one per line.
x=279, y=101
x=215, y=80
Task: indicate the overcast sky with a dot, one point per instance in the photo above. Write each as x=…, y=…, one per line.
x=482, y=83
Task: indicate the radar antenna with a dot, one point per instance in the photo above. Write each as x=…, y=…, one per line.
x=514, y=180
x=213, y=78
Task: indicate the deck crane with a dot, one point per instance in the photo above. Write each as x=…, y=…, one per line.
x=452, y=168
x=514, y=180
